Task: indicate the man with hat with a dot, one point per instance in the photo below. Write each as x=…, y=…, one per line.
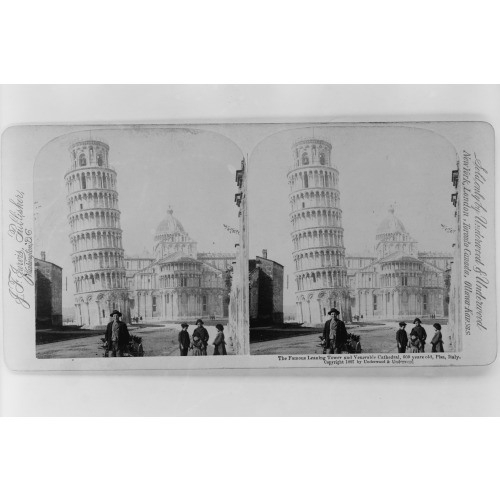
x=334, y=333
x=420, y=332
x=202, y=333
x=117, y=336
x=184, y=340
x=402, y=337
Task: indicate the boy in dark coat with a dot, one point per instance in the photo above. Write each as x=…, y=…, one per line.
x=335, y=335
x=184, y=340
x=402, y=338
x=117, y=336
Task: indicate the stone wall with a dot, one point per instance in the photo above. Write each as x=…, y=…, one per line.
x=238, y=324
x=48, y=292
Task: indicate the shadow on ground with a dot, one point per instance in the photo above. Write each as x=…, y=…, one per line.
x=60, y=334
x=276, y=332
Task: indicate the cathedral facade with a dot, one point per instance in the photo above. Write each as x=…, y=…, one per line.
x=176, y=282
x=396, y=280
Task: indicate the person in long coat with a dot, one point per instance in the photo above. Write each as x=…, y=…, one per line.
x=437, y=340
x=184, y=340
x=202, y=333
x=334, y=333
x=402, y=338
x=219, y=342
x=117, y=336
x=197, y=345
x=414, y=343
x=420, y=332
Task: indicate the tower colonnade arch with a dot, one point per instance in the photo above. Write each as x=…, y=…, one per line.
x=90, y=199
x=90, y=219
x=307, y=218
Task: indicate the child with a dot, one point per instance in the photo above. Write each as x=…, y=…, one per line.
x=197, y=345
x=219, y=343
x=414, y=343
x=437, y=340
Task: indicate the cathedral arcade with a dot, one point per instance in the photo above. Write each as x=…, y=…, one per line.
x=397, y=281
x=177, y=283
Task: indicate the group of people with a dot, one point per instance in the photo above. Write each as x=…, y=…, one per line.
x=198, y=343
x=117, y=338
x=418, y=336
x=335, y=336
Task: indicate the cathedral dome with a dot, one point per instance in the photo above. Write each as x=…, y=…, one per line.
x=169, y=225
x=391, y=224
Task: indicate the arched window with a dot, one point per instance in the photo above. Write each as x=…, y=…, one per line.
x=99, y=160
x=83, y=160
x=305, y=159
x=322, y=158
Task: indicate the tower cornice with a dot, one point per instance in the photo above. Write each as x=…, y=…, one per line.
x=316, y=228
x=96, y=229
x=96, y=209
x=293, y=212
x=311, y=140
x=88, y=142
x=78, y=169
x=313, y=165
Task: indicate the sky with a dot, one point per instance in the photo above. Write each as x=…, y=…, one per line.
x=378, y=166
x=192, y=171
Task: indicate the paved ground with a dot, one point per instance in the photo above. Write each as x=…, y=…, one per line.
x=157, y=340
x=374, y=339
x=161, y=340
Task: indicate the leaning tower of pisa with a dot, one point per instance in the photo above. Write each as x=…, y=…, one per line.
x=317, y=233
x=95, y=234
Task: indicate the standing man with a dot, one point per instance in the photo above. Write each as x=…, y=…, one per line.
x=202, y=333
x=334, y=333
x=117, y=336
x=419, y=331
x=402, y=338
x=184, y=340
